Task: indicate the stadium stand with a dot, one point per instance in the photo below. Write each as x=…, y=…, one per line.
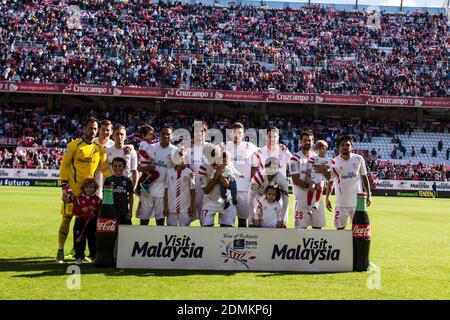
x=40, y=137
x=243, y=48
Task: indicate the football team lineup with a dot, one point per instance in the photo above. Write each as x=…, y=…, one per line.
x=233, y=179
x=409, y=262
x=224, y=150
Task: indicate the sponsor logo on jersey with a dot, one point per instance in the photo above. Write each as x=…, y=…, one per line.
x=349, y=175
x=85, y=160
x=161, y=163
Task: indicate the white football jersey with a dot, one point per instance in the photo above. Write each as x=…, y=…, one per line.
x=204, y=172
x=179, y=185
x=109, y=142
x=130, y=159
x=241, y=156
x=196, y=159
x=347, y=179
x=262, y=154
x=163, y=162
x=146, y=147
x=98, y=173
x=318, y=160
x=299, y=165
x=260, y=182
x=269, y=213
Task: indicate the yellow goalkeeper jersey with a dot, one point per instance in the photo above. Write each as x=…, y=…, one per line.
x=80, y=162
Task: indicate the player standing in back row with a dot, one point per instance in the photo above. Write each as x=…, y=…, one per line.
x=241, y=156
x=348, y=170
x=152, y=203
x=118, y=150
x=273, y=148
x=298, y=166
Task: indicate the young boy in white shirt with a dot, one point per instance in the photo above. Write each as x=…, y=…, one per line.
x=317, y=180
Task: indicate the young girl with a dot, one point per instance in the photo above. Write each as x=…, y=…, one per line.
x=269, y=213
x=86, y=208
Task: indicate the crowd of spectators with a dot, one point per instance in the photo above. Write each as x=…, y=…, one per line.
x=151, y=44
x=31, y=158
x=41, y=136
x=387, y=170
x=39, y=127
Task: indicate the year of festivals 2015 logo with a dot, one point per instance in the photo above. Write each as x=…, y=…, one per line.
x=235, y=251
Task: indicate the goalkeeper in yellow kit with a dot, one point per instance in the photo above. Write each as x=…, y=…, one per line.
x=79, y=162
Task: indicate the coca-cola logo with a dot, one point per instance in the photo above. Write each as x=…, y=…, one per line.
x=361, y=231
x=106, y=225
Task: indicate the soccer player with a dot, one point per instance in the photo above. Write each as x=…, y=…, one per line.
x=79, y=162
x=270, y=175
x=152, y=203
x=196, y=160
x=122, y=190
x=348, y=170
x=118, y=150
x=241, y=156
x=212, y=203
x=179, y=195
x=104, y=134
x=298, y=166
x=273, y=148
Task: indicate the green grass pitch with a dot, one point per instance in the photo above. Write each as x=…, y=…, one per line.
x=410, y=246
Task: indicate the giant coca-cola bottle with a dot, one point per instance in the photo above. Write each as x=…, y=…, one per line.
x=106, y=231
x=361, y=235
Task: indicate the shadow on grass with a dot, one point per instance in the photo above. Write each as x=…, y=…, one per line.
x=44, y=267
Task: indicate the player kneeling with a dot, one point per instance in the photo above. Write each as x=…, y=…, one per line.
x=179, y=195
x=269, y=213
